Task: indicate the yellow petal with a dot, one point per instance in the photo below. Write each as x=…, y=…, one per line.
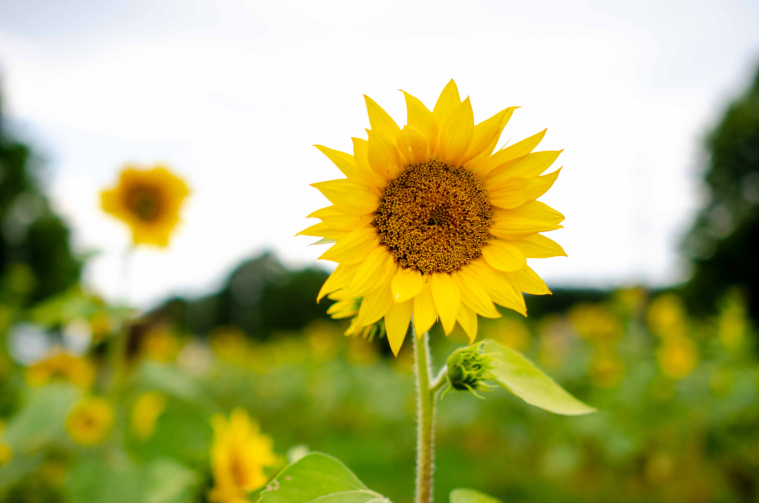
x=456, y=134
x=342, y=309
x=384, y=158
x=363, y=169
x=374, y=306
x=501, y=289
x=532, y=210
x=412, y=145
x=375, y=270
x=516, y=191
x=519, y=228
x=447, y=299
x=421, y=119
x=467, y=318
x=340, y=278
x=505, y=155
x=343, y=161
x=503, y=256
x=538, y=246
x=349, y=196
x=380, y=120
x=396, y=324
x=406, y=284
x=341, y=220
x=528, y=281
x=486, y=135
x=354, y=247
x=425, y=314
x=526, y=166
x=474, y=295
x=448, y=101
x=323, y=230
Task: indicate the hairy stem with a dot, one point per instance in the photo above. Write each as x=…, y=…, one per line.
x=425, y=406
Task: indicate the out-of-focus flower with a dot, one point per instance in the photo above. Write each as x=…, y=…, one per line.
x=160, y=343
x=361, y=352
x=100, y=325
x=509, y=331
x=148, y=200
x=61, y=366
x=632, y=299
x=430, y=221
x=90, y=421
x=146, y=411
x=229, y=343
x=239, y=454
x=324, y=339
x=596, y=322
x=667, y=316
x=6, y=452
x=607, y=369
x=677, y=357
x=733, y=322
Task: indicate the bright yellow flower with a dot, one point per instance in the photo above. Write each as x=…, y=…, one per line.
x=148, y=201
x=430, y=221
x=667, y=316
x=678, y=357
x=146, y=412
x=239, y=455
x=160, y=344
x=90, y=421
x=61, y=366
x=6, y=452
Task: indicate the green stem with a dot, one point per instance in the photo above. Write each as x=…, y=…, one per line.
x=425, y=405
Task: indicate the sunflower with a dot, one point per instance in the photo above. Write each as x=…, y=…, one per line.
x=239, y=454
x=90, y=421
x=148, y=201
x=432, y=223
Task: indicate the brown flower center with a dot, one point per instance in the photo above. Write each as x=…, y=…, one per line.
x=145, y=202
x=434, y=217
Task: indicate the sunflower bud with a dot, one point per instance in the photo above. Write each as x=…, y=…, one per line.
x=468, y=369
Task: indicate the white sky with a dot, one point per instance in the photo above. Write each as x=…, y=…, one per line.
x=234, y=93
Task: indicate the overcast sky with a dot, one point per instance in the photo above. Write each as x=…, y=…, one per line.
x=233, y=94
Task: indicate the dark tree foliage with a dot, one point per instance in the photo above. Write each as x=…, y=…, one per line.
x=261, y=296
x=724, y=240
x=36, y=260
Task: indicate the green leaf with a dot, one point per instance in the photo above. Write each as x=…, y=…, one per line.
x=318, y=478
x=471, y=496
x=520, y=376
x=41, y=420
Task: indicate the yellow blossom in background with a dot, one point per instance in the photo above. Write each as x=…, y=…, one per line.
x=229, y=343
x=596, y=322
x=607, y=369
x=512, y=332
x=6, y=452
x=160, y=343
x=239, y=455
x=733, y=322
x=101, y=326
x=677, y=357
x=433, y=221
x=146, y=411
x=667, y=316
x=61, y=366
x=148, y=200
x=90, y=421
x=324, y=339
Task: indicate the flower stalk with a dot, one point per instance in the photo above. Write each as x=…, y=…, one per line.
x=425, y=404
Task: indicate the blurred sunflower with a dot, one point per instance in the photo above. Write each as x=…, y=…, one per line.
x=61, y=366
x=148, y=201
x=146, y=412
x=239, y=455
x=431, y=222
x=6, y=452
x=90, y=421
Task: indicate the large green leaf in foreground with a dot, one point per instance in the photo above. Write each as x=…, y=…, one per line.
x=471, y=496
x=318, y=478
x=521, y=377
